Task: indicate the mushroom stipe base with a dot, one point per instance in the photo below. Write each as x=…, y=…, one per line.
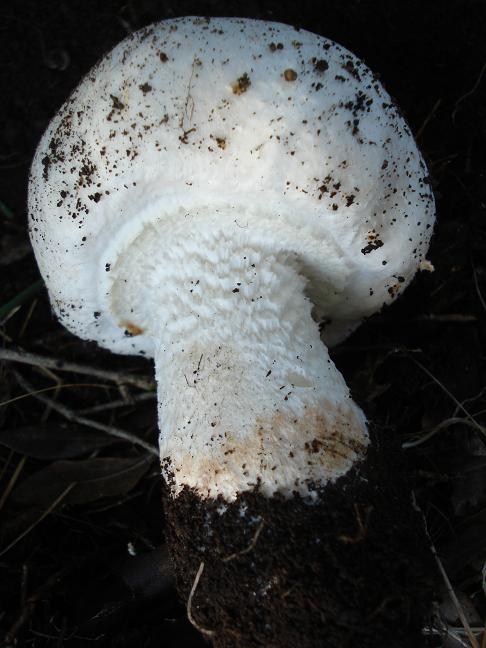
x=352, y=570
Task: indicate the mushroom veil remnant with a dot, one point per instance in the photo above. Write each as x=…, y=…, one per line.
x=211, y=192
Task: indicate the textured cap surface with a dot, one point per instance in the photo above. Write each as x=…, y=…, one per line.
x=250, y=125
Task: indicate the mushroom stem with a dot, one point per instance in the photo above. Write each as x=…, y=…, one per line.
x=250, y=397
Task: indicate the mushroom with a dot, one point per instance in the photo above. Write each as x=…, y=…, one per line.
x=211, y=192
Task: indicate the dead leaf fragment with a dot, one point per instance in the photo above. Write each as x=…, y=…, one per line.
x=94, y=478
x=54, y=440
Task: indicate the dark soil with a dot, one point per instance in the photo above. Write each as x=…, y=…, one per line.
x=87, y=565
x=352, y=570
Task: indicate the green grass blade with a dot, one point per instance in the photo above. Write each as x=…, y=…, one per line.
x=6, y=211
x=22, y=297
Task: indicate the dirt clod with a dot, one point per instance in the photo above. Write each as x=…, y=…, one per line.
x=282, y=573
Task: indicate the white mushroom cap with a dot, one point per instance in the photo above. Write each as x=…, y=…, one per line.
x=196, y=123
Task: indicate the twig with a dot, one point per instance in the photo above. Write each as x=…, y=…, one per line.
x=455, y=420
x=460, y=406
x=472, y=399
x=451, y=629
x=446, y=630
x=11, y=483
x=58, y=499
x=13, y=355
x=35, y=392
x=204, y=631
x=96, y=425
x=27, y=319
x=55, y=378
x=6, y=464
x=428, y=118
x=122, y=402
x=468, y=94
x=4, y=336
x=445, y=577
x=456, y=637
x=478, y=289
x=362, y=526
x=250, y=546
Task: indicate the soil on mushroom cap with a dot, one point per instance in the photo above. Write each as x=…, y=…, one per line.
x=353, y=570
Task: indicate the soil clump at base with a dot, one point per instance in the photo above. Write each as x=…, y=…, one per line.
x=353, y=569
